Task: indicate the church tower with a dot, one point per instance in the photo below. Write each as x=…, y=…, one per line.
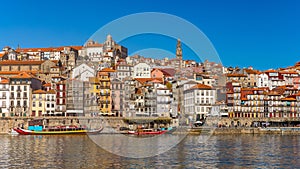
x=179, y=53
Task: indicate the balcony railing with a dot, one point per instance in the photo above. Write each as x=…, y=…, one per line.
x=104, y=94
x=104, y=102
x=4, y=89
x=163, y=102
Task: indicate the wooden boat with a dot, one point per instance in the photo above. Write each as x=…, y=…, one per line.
x=12, y=132
x=58, y=130
x=147, y=132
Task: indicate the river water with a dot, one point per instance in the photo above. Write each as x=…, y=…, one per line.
x=218, y=151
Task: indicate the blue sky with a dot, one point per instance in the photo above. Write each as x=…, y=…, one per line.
x=263, y=34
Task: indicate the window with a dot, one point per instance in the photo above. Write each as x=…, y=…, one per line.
x=33, y=104
x=25, y=88
x=12, y=87
x=40, y=104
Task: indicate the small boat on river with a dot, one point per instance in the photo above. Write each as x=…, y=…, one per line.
x=149, y=131
x=58, y=130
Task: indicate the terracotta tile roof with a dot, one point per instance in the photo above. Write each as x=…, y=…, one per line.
x=33, y=72
x=1, y=55
x=271, y=71
x=138, y=91
x=94, y=45
x=27, y=62
x=49, y=49
x=4, y=80
x=169, y=72
x=51, y=92
x=201, y=86
x=236, y=75
x=273, y=93
x=107, y=70
x=157, y=81
x=77, y=47
x=144, y=80
x=39, y=92
x=251, y=71
x=288, y=72
x=22, y=75
x=15, y=62
x=289, y=98
x=47, y=85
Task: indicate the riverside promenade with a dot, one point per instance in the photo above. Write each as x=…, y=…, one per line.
x=213, y=125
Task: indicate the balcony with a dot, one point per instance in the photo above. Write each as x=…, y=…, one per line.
x=150, y=97
x=150, y=105
x=4, y=89
x=163, y=102
x=12, y=97
x=19, y=90
x=104, y=94
x=104, y=87
x=104, y=102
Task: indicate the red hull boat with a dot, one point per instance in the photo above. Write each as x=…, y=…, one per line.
x=147, y=132
x=57, y=131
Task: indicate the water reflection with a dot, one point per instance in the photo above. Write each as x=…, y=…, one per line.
x=222, y=151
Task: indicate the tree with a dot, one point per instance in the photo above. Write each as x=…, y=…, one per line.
x=169, y=85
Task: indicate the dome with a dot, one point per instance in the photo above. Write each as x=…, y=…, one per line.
x=108, y=38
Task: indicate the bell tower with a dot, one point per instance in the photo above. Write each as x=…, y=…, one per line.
x=179, y=53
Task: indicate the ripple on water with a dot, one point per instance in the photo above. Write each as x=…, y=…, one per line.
x=222, y=151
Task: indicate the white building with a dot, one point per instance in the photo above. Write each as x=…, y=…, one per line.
x=123, y=71
x=163, y=101
x=142, y=70
x=50, y=102
x=20, y=91
x=263, y=80
x=4, y=97
x=93, y=50
x=198, y=101
x=83, y=72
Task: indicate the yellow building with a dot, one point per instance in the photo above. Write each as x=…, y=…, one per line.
x=105, y=76
x=38, y=103
x=95, y=96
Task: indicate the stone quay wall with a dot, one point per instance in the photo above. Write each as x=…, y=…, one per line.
x=216, y=125
x=6, y=124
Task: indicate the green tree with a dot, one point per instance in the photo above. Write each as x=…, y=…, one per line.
x=169, y=85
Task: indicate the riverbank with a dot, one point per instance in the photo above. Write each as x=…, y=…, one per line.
x=113, y=123
x=268, y=130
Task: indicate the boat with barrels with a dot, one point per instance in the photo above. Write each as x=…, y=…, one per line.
x=37, y=127
x=151, y=131
x=58, y=130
